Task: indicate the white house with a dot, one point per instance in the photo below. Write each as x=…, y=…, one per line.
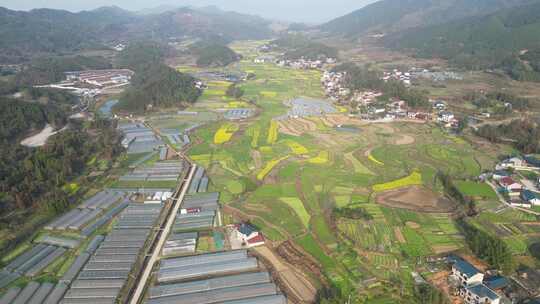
x=249, y=235
x=511, y=163
x=500, y=174
x=479, y=294
x=466, y=274
x=510, y=185
x=446, y=116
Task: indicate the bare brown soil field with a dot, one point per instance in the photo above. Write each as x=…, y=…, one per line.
x=440, y=281
x=405, y=140
x=326, y=139
x=294, y=256
x=399, y=235
x=307, y=124
x=417, y=199
x=341, y=119
x=438, y=249
x=285, y=128
x=289, y=279
x=385, y=128
x=412, y=225
x=257, y=159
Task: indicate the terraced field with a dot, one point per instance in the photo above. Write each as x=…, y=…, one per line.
x=289, y=174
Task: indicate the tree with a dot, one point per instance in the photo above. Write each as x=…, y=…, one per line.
x=234, y=91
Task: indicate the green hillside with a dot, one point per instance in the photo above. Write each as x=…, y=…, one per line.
x=396, y=15
x=24, y=35
x=496, y=40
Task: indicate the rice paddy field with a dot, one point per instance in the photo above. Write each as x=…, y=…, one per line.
x=289, y=185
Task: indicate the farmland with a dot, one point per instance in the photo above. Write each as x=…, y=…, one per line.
x=288, y=174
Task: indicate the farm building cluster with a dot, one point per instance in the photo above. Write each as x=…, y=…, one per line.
x=518, y=190
x=101, y=78
x=475, y=287
x=137, y=138
x=93, y=82
x=304, y=63
x=406, y=77
x=397, y=75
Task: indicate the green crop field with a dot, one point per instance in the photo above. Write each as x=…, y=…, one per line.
x=476, y=189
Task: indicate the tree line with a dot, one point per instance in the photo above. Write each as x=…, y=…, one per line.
x=524, y=134
x=486, y=246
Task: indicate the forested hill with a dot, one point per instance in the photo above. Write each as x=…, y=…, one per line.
x=154, y=84
x=45, y=31
x=508, y=38
x=213, y=54
x=24, y=35
x=396, y=15
x=18, y=117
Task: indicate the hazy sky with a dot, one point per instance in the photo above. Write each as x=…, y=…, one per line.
x=292, y=10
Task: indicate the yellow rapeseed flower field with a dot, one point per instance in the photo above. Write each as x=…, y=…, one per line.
x=414, y=179
x=225, y=133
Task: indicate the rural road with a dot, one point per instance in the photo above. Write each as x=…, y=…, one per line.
x=147, y=269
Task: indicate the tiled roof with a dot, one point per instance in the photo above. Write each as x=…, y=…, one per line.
x=246, y=229
x=483, y=291
x=496, y=282
x=256, y=239
x=528, y=195
x=466, y=268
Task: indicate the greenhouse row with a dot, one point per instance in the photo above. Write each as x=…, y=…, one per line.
x=35, y=293
x=201, y=202
x=199, y=183
x=180, y=243
x=31, y=262
x=106, y=269
x=194, y=221
x=80, y=217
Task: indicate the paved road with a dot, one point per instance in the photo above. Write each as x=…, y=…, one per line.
x=147, y=269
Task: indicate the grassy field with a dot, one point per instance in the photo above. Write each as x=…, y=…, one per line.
x=476, y=189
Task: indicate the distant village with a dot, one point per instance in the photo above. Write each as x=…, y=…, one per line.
x=333, y=83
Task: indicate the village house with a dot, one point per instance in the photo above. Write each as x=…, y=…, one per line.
x=510, y=163
x=248, y=234
x=446, y=116
x=510, y=185
x=473, y=285
x=532, y=161
x=466, y=273
x=479, y=294
x=500, y=174
x=530, y=197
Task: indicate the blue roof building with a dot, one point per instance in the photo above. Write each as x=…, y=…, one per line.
x=480, y=293
x=496, y=282
x=466, y=273
x=532, y=161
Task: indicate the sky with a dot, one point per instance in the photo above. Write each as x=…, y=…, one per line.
x=310, y=11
